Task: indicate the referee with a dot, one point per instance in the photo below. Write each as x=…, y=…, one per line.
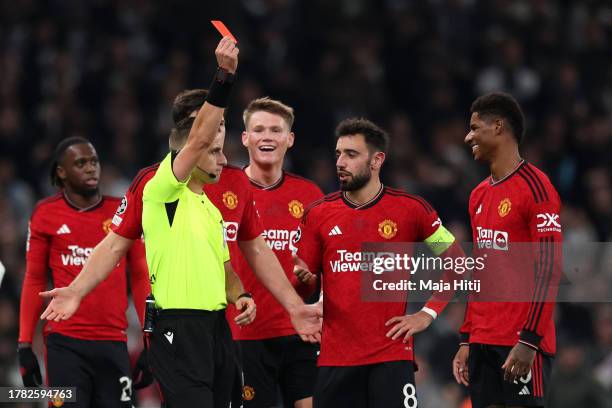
x=191, y=277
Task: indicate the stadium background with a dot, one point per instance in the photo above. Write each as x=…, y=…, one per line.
x=108, y=70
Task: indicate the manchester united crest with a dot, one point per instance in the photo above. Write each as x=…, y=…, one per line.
x=106, y=225
x=296, y=208
x=248, y=393
x=230, y=199
x=387, y=229
x=504, y=207
x=57, y=401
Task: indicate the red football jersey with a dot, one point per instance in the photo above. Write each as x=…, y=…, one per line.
x=521, y=209
x=331, y=237
x=233, y=196
x=281, y=207
x=60, y=239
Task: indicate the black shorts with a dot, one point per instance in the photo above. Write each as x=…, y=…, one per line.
x=100, y=370
x=487, y=385
x=382, y=385
x=191, y=357
x=284, y=362
x=236, y=398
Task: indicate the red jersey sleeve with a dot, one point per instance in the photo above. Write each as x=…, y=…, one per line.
x=429, y=222
x=464, y=331
x=250, y=224
x=127, y=221
x=309, y=244
x=139, y=277
x=442, y=243
x=545, y=229
x=35, y=281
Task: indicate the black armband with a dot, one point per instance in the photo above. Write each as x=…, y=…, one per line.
x=220, y=88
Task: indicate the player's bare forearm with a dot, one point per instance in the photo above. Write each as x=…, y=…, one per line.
x=269, y=271
x=103, y=259
x=233, y=285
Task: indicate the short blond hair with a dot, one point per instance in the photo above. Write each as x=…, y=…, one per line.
x=271, y=106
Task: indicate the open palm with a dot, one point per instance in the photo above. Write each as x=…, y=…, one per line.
x=64, y=303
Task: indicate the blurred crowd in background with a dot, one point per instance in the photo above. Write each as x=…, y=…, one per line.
x=108, y=70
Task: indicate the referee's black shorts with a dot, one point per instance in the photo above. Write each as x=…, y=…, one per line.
x=99, y=369
x=191, y=357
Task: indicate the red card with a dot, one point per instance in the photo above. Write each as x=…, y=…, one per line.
x=223, y=30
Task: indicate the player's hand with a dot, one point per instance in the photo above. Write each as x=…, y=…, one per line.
x=29, y=368
x=248, y=308
x=64, y=303
x=307, y=320
x=227, y=55
x=409, y=324
x=300, y=269
x=519, y=362
x=460, y=365
x=142, y=375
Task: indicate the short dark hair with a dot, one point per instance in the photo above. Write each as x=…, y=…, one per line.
x=502, y=105
x=58, y=154
x=180, y=132
x=186, y=102
x=376, y=139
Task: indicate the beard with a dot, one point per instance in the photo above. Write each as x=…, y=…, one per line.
x=87, y=192
x=357, y=181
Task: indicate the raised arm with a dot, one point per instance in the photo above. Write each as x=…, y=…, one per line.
x=209, y=117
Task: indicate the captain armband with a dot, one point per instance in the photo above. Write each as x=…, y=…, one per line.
x=440, y=241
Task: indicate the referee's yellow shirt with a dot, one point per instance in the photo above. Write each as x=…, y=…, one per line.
x=186, y=250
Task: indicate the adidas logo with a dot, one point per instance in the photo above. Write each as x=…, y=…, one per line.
x=479, y=209
x=335, y=231
x=63, y=230
x=524, y=391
